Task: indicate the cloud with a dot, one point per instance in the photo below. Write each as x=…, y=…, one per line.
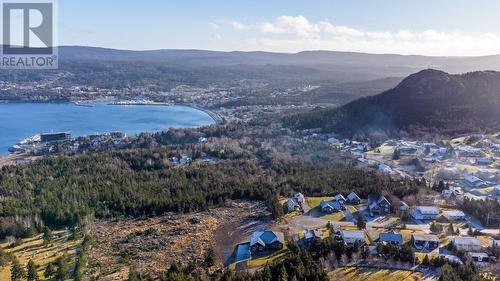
x=240, y=26
x=214, y=25
x=297, y=33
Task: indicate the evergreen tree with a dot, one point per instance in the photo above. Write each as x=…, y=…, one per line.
x=62, y=272
x=210, y=257
x=32, y=272
x=396, y=154
x=360, y=221
x=16, y=271
x=50, y=270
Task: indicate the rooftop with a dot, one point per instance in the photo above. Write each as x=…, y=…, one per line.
x=391, y=236
x=428, y=210
x=425, y=237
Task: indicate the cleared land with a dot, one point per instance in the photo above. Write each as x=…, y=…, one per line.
x=151, y=244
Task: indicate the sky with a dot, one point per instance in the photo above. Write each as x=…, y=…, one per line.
x=424, y=27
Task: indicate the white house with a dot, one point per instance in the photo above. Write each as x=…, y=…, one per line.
x=454, y=215
x=351, y=236
x=478, y=257
x=425, y=213
x=468, y=244
x=474, y=182
x=425, y=242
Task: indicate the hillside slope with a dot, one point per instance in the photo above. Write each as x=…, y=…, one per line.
x=427, y=102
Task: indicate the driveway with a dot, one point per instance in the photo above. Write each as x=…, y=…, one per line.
x=299, y=223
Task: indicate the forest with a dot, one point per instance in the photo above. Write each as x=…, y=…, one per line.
x=67, y=190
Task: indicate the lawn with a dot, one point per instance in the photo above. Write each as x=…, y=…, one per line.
x=337, y=216
x=314, y=202
x=372, y=274
x=33, y=248
x=257, y=261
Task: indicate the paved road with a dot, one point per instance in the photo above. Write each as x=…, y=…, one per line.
x=348, y=215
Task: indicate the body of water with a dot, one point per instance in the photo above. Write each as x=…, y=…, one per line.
x=21, y=120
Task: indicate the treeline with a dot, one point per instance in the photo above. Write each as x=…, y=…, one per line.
x=487, y=211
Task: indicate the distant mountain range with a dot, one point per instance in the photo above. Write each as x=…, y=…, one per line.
x=341, y=66
x=427, y=102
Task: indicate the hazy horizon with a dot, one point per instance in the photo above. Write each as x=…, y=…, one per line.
x=437, y=28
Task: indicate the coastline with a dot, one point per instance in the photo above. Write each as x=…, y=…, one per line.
x=8, y=156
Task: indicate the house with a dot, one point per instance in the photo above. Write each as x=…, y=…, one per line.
x=340, y=198
x=351, y=236
x=446, y=193
x=403, y=207
x=391, y=237
x=311, y=235
x=266, y=240
x=474, y=182
x=468, y=151
x=330, y=206
x=454, y=215
x=300, y=198
x=295, y=203
x=384, y=168
x=467, y=244
x=478, y=257
x=292, y=205
x=353, y=198
x=379, y=205
x=425, y=213
x=484, y=161
x=425, y=242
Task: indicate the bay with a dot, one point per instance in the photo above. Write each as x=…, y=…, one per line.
x=21, y=120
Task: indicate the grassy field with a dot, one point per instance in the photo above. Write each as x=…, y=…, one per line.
x=314, y=202
x=337, y=216
x=372, y=274
x=33, y=248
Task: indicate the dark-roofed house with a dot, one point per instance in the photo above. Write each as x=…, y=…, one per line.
x=378, y=205
x=330, y=206
x=391, y=237
x=425, y=242
x=292, y=205
x=266, y=240
x=353, y=198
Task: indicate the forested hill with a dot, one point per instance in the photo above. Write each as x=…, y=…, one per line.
x=427, y=102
